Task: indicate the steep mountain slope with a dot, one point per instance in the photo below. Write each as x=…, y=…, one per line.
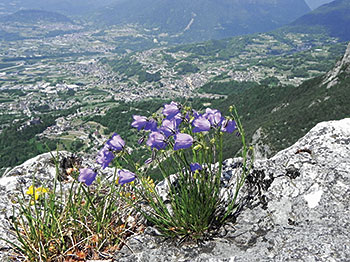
x=205, y=19
x=35, y=16
x=340, y=72
x=333, y=18
x=279, y=116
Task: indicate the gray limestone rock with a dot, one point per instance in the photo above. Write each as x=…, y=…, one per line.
x=306, y=218
x=343, y=65
x=296, y=207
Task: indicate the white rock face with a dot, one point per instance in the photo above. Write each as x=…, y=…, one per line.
x=307, y=217
x=331, y=77
x=314, y=197
x=261, y=150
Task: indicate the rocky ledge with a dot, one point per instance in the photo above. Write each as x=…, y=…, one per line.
x=306, y=216
x=299, y=212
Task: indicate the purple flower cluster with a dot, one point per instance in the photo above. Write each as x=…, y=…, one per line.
x=212, y=118
x=159, y=137
x=104, y=158
x=105, y=155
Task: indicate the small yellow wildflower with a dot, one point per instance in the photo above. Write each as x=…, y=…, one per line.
x=36, y=192
x=149, y=183
x=195, y=174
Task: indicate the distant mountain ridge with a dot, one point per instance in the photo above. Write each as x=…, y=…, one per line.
x=333, y=18
x=199, y=20
x=35, y=16
x=66, y=7
x=317, y=3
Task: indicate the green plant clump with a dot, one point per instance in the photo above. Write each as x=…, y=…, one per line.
x=89, y=220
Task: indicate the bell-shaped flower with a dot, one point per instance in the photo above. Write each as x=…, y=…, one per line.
x=156, y=140
x=179, y=118
x=116, y=142
x=125, y=176
x=87, y=176
x=171, y=110
x=183, y=141
x=139, y=122
x=209, y=111
x=104, y=157
x=195, y=166
x=214, y=116
x=228, y=126
x=169, y=127
x=151, y=125
x=200, y=124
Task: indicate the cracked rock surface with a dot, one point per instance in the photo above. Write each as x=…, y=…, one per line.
x=306, y=218
x=298, y=209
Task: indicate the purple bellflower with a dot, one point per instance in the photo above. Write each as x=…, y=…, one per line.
x=139, y=122
x=125, y=176
x=214, y=116
x=201, y=124
x=104, y=157
x=169, y=127
x=156, y=140
x=183, y=141
x=195, y=166
x=171, y=110
x=209, y=111
x=228, y=126
x=179, y=118
x=116, y=142
x=87, y=176
x=151, y=125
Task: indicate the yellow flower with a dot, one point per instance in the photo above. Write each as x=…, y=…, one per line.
x=149, y=183
x=36, y=192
